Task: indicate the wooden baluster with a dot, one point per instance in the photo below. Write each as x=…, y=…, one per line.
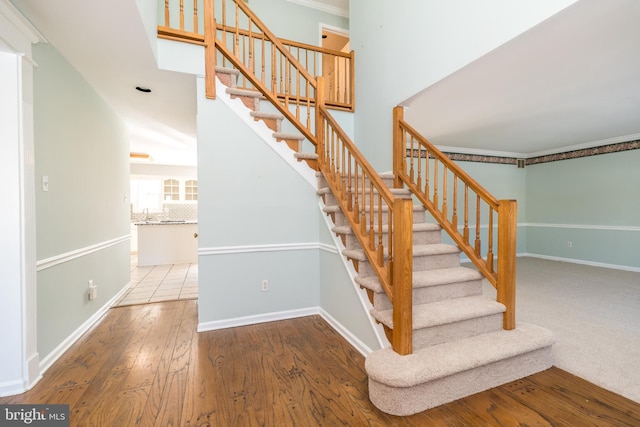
x=372, y=217
x=263, y=65
x=182, y=15
x=465, y=230
x=418, y=159
x=435, y=183
x=167, y=22
x=251, y=52
x=490, y=241
x=308, y=104
x=274, y=77
x=506, y=284
x=195, y=16
x=380, y=215
x=320, y=148
x=297, y=94
x=477, y=242
x=236, y=49
x=444, y=192
x=454, y=217
x=411, y=161
x=427, y=175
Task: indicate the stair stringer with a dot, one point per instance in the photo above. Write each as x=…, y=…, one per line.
x=366, y=306
x=266, y=134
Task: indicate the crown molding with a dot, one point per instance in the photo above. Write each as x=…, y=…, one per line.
x=313, y=4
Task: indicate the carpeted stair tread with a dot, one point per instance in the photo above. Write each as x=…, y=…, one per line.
x=282, y=135
x=305, y=156
x=418, y=250
x=423, y=279
x=442, y=360
x=266, y=115
x=225, y=70
x=244, y=92
x=445, y=312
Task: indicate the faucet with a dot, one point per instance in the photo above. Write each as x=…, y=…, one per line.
x=146, y=212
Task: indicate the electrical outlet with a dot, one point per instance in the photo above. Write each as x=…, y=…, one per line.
x=265, y=285
x=93, y=290
x=569, y=244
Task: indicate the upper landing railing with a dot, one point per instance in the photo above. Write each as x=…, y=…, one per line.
x=236, y=28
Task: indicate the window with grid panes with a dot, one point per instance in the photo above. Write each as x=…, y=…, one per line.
x=191, y=189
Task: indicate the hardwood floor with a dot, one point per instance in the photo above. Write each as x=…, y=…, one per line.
x=145, y=365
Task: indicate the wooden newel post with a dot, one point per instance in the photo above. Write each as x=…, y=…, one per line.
x=402, y=268
x=506, y=284
x=209, y=49
x=320, y=122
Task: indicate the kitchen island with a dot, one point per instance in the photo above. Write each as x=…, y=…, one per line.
x=167, y=242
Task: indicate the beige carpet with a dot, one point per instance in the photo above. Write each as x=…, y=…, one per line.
x=594, y=313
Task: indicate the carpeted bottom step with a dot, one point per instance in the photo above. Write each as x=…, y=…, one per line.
x=405, y=385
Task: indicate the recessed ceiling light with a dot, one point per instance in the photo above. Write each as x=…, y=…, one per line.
x=143, y=89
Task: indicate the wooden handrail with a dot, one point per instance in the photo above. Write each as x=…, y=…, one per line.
x=435, y=179
x=340, y=87
x=372, y=211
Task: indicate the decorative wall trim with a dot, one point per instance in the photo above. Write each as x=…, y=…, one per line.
x=505, y=159
x=585, y=152
x=78, y=253
x=225, y=250
x=55, y=354
x=334, y=10
x=584, y=226
x=583, y=262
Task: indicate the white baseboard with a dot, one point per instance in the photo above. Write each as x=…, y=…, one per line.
x=50, y=358
x=11, y=388
x=256, y=319
x=285, y=315
x=583, y=262
x=346, y=334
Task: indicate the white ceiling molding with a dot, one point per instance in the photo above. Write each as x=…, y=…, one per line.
x=323, y=7
x=12, y=16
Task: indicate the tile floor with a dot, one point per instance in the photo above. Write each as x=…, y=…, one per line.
x=157, y=283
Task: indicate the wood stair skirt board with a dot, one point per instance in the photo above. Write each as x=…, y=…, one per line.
x=251, y=99
x=460, y=347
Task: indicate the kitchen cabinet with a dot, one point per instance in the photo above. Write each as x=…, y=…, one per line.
x=167, y=242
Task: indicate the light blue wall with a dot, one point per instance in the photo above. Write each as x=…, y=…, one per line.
x=248, y=198
x=292, y=21
x=592, y=202
x=403, y=47
x=81, y=145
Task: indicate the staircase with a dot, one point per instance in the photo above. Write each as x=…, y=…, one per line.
x=460, y=347
x=459, y=344
x=456, y=341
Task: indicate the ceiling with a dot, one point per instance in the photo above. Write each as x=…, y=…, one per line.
x=106, y=42
x=572, y=81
